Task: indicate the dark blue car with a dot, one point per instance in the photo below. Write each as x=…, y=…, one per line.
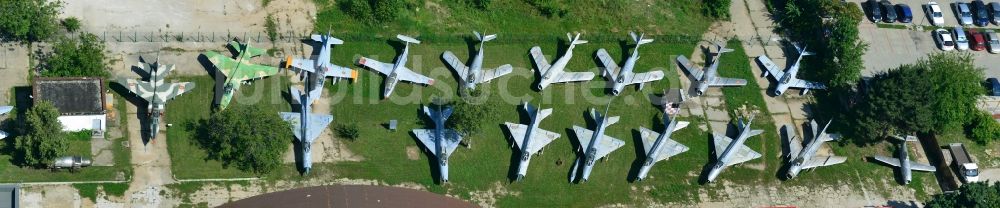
x=981, y=16
x=905, y=15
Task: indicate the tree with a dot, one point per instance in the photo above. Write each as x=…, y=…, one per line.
x=834, y=39
x=360, y=10
x=718, y=9
x=469, y=117
x=977, y=194
x=71, y=24
x=983, y=129
x=76, y=58
x=271, y=27
x=254, y=145
x=43, y=139
x=28, y=20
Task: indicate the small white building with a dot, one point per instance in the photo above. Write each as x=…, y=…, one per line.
x=80, y=101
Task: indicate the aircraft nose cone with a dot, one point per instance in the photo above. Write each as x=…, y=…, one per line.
x=777, y=92
x=305, y=171
x=615, y=92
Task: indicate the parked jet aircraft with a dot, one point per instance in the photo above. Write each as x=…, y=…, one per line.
x=530, y=138
x=730, y=152
x=710, y=76
x=238, y=70
x=306, y=126
x=659, y=146
x=621, y=76
x=396, y=71
x=441, y=142
x=594, y=144
x=156, y=91
x=800, y=158
x=321, y=66
x=903, y=160
x=555, y=73
x=474, y=74
x=787, y=79
x=4, y=110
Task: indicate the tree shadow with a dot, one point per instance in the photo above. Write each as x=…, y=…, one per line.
x=515, y=155
x=574, y=141
x=15, y=126
x=786, y=151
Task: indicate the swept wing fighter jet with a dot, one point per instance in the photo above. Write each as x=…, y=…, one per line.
x=238, y=70
x=621, y=76
x=906, y=166
x=4, y=110
x=806, y=158
x=594, y=144
x=659, y=146
x=730, y=152
x=474, y=74
x=321, y=66
x=306, y=126
x=530, y=138
x=555, y=73
x=787, y=79
x=710, y=76
x=156, y=91
x=397, y=71
x=441, y=142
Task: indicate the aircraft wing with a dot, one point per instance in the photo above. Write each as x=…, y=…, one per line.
x=452, y=140
x=921, y=167
x=223, y=63
x=794, y=145
x=539, y=57
x=494, y=73
x=742, y=154
x=574, y=76
x=304, y=64
x=772, y=69
x=140, y=88
x=517, y=132
x=606, y=145
x=610, y=67
x=252, y=71
x=669, y=149
x=686, y=65
x=540, y=138
x=456, y=64
x=645, y=77
x=888, y=160
x=798, y=83
x=404, y=73
x=723, y=81
x=583, y=135
x=380, y=67
x=426, y=137
x=819, y=161
x=5, y=109
x=340, y=72
x=176, y=89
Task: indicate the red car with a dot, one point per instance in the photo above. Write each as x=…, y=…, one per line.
x=977, y=41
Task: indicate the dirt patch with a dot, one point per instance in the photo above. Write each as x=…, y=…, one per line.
x=412, y=153
x=51, y=196
x=488, y=198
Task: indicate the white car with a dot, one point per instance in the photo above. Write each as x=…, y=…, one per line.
x=944, y=40
x=934, y=13
x=961, y=39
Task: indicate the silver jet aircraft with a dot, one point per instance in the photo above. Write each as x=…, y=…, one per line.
x=555, y=73
x=903, y=160
x=710, y=76
x=806, y=158
x=441, y=142
x=658, y=146
x=397, y=71
x=787, y=78
x=306, y=126
x=530, y=138
x=474, y=74
x=594, y=144
x=321, y=66
x=730, y=152
x=4, y=110
x=156, y=91
x=622, y=76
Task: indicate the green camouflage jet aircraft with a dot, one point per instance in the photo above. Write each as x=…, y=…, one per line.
x=238, y=69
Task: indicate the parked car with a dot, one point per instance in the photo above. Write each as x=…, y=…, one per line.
x=964, y=14
x=993, y=86
x=905, y=15
x=994, y=8
x=982, y=16
x=944, y=40
x=934, y=13
x=977, y=41
x=890, y=11
x=875, y=10
x=961, y=40
x=992, y=41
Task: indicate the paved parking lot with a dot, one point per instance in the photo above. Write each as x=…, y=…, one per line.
x=889, y=47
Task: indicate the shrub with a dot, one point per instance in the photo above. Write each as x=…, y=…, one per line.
x=716, y=8
x=71, y=24
x=271, y=28
x=348, y=131
x=983, y=129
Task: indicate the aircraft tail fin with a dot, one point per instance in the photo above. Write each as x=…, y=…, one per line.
x=535, y=113
x=407, y=39
x=484, y=38
x=638, y=39
x=439, y=115
x=722, y=48
x=575, y=40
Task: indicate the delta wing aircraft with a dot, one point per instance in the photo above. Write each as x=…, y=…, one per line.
x=156, y=91
x=555, y=72
x=238, y=70
x=787, y=79
x=710, y=76
x=658, y=146
x=622, y=76
x=806, y=158
x=902, y=160
x=321, y=66
x=440, y=142
x=593, y=144
x=730, y=152
x=530, y=139
x=474, y=74
x=396, y=71
x=307, y=126
x=4, y=110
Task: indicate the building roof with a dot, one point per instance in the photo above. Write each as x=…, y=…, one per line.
x=71, y=95
x=8, y=195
